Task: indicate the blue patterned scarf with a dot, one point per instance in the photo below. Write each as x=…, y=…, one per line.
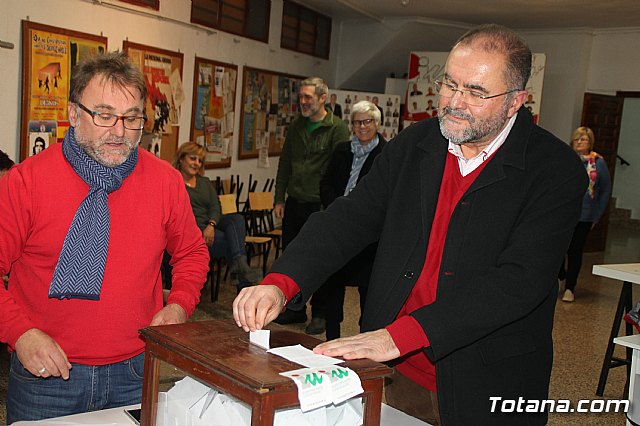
x=360, y=154
x=80, y=268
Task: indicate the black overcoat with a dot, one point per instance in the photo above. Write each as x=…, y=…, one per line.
x=490, y=326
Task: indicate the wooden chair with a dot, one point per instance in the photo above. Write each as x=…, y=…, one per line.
x=256, y=244
x=261, y=214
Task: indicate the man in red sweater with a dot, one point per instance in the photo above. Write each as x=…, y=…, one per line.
x=83, y=227
x=472, y=211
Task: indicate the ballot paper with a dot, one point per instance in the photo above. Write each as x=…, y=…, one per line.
x=303, y=356
x=260, y=338
x=319, y=387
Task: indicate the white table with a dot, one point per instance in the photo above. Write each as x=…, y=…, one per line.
x=633, y=342
x=629, y=274
x=389, y=416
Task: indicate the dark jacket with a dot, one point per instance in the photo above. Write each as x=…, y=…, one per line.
x=490, y=326
x=305, y=156
x=337, y=109
x=335, y=179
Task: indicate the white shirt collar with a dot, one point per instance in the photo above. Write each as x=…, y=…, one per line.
x=469, y=165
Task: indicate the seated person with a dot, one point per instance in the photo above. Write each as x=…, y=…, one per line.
x=5, y=163
x=349, y=163
x=223, y=234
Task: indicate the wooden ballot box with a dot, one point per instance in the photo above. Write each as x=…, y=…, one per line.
x=219, y=354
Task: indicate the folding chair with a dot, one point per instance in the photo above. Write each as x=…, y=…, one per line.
x=256, y=244
x=261, y=214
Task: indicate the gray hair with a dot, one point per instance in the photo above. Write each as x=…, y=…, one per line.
x=494, y=38
x=114, y=67
x=321, y=87
x=366, y=107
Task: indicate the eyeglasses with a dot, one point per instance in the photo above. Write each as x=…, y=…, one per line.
x=470, y=97
x=105, y=119
x=365, y=122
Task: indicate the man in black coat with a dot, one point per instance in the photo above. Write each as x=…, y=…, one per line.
x=473, y=212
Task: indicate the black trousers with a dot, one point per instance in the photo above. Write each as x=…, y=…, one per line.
x=574, y=255
x=357, y=272
x=296, y=214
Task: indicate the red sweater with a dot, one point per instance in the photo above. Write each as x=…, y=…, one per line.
x=150, y=211
x=405, y=331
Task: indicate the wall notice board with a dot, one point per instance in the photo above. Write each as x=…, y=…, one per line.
x=269, y=104
x=213, y=110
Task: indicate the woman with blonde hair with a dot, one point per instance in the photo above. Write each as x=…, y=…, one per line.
x=223, y=234
x=594, y=204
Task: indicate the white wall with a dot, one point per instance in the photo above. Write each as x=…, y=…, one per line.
x=625, y=187
x=174, y=33
x=363, y=53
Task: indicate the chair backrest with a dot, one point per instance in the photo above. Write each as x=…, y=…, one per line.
x=261, y=200
x=228, y=203
x=261, y=212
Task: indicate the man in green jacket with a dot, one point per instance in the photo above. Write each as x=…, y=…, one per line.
x=305, y=155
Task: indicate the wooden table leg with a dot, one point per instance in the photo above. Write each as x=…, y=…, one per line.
x=262, y=411
x=150, y=387
x=624, y=305
x=372, y=402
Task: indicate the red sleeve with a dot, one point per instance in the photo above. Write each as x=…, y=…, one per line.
x=14, y=226
x=407, y=334
x=284, y=283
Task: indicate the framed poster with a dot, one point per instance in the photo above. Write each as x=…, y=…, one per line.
x=163, y=76
x=213, y=110
x=269, y=104
x=48, y=57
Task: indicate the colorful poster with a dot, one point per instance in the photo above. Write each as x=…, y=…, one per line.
x=49, y=76
x=48, y=60
x=421, y=101
x=214, y=100
x=162, y=71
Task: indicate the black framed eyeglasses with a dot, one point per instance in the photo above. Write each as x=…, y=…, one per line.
x=469, y=96
x=106, y=119
x=366, y=122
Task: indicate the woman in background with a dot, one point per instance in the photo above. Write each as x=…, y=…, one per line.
x=5, y=163
x=349, y=163
x=594, y=204
x=224, y=234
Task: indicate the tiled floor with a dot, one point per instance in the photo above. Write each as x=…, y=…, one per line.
x=580, y=334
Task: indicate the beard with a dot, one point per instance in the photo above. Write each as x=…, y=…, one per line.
x=310, y=111
x=477, y=131
x=97, y=150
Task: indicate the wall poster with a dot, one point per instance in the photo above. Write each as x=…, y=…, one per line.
x=269, y=104
x=427, y=67
x=163, y=76
x=48, y=57
x=213, y=110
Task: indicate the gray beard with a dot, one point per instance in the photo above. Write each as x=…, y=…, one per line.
x=477, y=131
x=96, y=153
